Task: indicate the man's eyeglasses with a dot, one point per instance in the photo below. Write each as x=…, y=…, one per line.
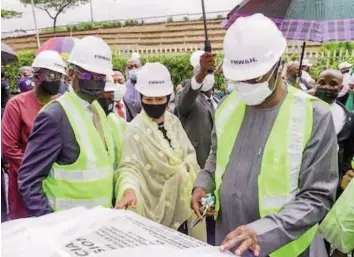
x=132, y=66
x=84, y=75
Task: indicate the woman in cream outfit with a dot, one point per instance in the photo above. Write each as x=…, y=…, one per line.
x=158, y=165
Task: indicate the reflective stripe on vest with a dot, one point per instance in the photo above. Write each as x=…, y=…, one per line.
x=282, y=156
x=78, y=175
x=90, y=179
x=64, y=204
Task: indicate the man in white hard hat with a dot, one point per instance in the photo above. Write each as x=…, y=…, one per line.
x=20, y=113
x=69, y=158
x=195, y=107
x=119, y=103
x=273, y=160
x=107, y=100
x=344, y=68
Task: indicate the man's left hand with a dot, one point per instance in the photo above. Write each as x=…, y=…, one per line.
x=245, y=238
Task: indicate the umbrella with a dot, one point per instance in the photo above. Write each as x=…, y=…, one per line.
x=63, y=45
x=317, y=21
x=304, y=20
x=7, y=54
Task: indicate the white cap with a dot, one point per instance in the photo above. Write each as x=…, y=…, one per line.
x=135, y=56
x=154, y=80
x=306, y=62
x=195, y=58
x=92, y=54
x=344, y=65
x=252, y=46
x=50, y=60
x=110, y=86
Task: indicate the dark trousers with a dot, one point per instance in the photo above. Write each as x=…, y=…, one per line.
x=210, y=224
x=3, y=198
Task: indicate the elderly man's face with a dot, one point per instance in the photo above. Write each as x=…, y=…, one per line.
x=345, y=70
x=133, y=65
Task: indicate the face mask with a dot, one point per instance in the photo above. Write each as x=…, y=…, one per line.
x=118, y=94
x=106, y=104
x=327, y=95
x=51, y=88
x=133, y=75
x=153, y=110
x=208, y=83
x=254, y=94
x=230, y=88
x=91, y=88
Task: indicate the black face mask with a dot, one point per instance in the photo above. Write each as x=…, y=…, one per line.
x=106, y=104
x=327, y=95
x=90, y=89
x=154, y=111
x=51, y=88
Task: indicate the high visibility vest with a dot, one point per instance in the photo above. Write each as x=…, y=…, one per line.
x=282, y=157
x=89, y=181
x=118, y=127
x=338, y=225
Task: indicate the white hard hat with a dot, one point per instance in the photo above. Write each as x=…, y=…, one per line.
x=195, y=58
x=252, y=46
x=50, y=60
x=92, y=54
x=306, y=62
x=154, y=80
x=344, y=65
x=110, y=86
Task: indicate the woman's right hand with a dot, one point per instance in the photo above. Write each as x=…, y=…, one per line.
x=129, y=200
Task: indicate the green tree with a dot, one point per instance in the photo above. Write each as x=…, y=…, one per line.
x=338, y=46
x=55, y=7
x=8, y=14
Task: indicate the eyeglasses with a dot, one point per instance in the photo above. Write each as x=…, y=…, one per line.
x=84, y=75
x=51, y=75
x=132, y=66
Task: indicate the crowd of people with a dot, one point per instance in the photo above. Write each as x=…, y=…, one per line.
x=275, y=150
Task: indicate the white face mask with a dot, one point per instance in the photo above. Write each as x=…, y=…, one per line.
x=254, y=94
x=120, y=92
x=230, y=87
x=208, y=83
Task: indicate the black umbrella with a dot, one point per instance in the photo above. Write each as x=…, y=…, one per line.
x=7, y=54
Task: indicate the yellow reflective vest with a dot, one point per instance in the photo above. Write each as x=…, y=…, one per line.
x=89, y=181
x=118, y=126
x=282, y=157
x=338, y=225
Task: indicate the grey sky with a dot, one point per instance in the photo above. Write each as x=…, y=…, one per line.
x=110, y=9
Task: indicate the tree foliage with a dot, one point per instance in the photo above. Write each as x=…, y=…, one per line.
x=55, y=7
x=338, y=46
x=178, y=65
x=8, y=14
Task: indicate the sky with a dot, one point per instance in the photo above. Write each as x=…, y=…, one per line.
x=109, y=10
